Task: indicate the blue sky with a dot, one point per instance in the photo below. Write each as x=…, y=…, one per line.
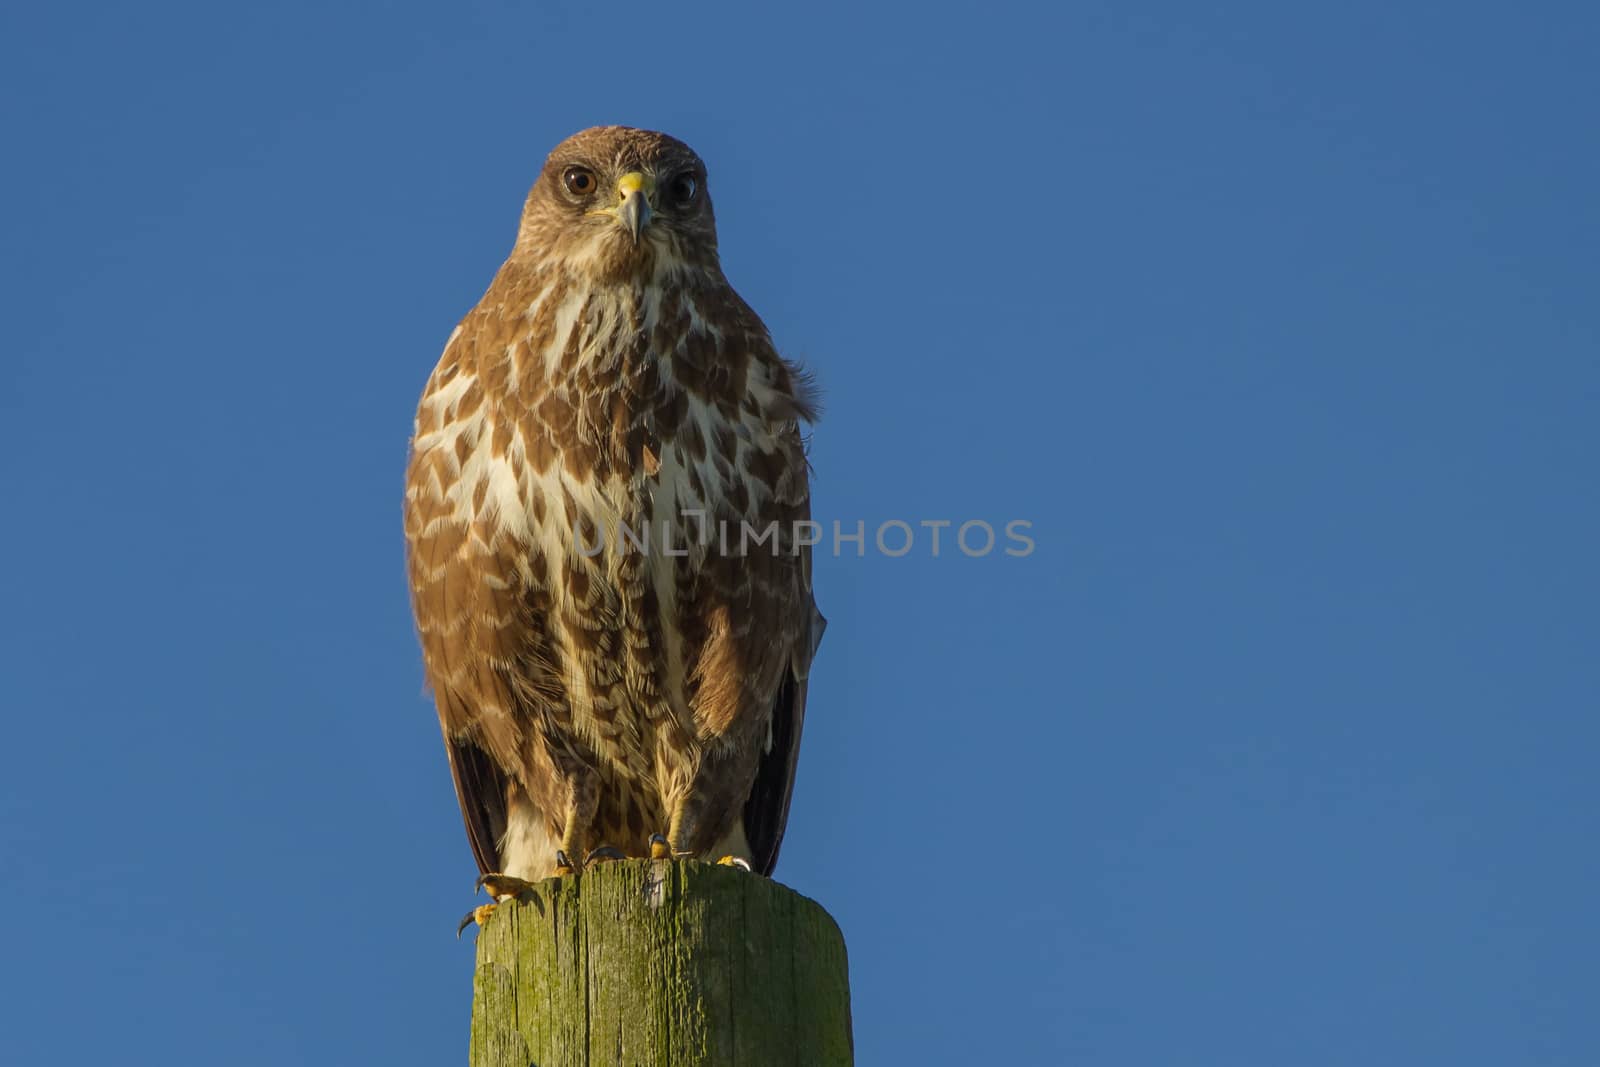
x=1278, y=323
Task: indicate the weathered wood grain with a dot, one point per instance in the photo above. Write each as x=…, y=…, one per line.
x=661, y=963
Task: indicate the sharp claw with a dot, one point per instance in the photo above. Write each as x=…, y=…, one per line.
x=659, y=849
x=466, y=920
x=604, y=852
x=735, y=861
x=477, y=887
x=563, y=865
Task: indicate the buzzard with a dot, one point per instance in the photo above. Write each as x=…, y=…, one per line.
x=619, y=670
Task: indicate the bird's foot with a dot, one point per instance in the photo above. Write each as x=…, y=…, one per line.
x=564, y=865
x=603, y=854
x=661, y=849
x=501, y=887
x=476, y=917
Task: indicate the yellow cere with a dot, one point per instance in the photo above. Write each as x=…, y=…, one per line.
x=633, y=182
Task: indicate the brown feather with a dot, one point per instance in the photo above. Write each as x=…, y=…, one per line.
x=607, y=695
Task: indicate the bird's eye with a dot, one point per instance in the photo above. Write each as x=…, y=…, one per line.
x=683, y=190
x=580, y=181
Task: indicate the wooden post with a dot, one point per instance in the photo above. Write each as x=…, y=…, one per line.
x=670, y=963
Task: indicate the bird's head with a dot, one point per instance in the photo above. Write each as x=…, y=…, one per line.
x=621, y=204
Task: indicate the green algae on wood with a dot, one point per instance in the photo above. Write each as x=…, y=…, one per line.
x=664, y=963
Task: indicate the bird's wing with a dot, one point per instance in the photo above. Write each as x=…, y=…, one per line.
x=481, y=792
x=766, y=812
x=478, y=612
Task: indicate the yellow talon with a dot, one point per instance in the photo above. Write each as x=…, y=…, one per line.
x=659, y=849
x=734, y=861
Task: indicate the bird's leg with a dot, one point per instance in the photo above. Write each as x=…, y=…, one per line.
x=571, y=845
x=583, y=797
x=676, y=834
x=686, y=826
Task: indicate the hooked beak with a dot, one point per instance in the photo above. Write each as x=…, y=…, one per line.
x=634, y=212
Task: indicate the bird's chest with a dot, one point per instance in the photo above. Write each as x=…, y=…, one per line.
x=610, y=511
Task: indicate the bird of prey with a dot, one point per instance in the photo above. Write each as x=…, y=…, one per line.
x=618, y=670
